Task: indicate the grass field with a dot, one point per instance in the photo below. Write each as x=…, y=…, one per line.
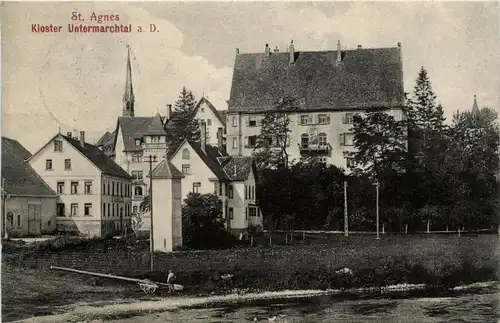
x=431, y=259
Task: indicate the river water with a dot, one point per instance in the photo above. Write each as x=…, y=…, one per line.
x=477, y=307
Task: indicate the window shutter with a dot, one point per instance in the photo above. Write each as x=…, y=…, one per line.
x=341, y=139
x=299, y=119
x=246, y=143
x=328, y=119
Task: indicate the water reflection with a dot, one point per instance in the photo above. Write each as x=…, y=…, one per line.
x=478, y=307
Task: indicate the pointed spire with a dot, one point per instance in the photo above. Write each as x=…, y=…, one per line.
x=475, y=108
x=128, y=95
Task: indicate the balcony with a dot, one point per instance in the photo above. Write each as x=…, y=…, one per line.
x=314, y=148
x=154, y=145
x=138, y=197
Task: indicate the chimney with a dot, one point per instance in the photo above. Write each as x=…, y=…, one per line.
x=220, y=140
x=82, y=138
x=276, y=49
x=268, y=50
x=292, y=53
x=69, y=134
x=359, y=46
x=203, y=135
x=339, y=52
x=237, y=51
x=169, y=112
x=399, y=45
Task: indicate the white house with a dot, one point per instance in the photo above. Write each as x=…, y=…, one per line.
x=214, y=121
x=329, y=88
x=209, y=170
x=94, y=192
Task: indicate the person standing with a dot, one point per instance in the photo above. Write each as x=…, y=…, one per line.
x=170, y=281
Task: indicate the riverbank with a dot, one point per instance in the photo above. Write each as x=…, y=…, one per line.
x=127, y=309
x=30, y=288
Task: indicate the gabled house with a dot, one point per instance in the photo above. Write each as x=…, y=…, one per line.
x=29, y=202
x=209, y=170
x=214, y=120
x=329, y=88
x=94, y=192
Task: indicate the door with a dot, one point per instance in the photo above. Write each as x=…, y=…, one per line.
x=34, y=219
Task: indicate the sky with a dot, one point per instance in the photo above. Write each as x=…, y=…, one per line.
x=76, y=81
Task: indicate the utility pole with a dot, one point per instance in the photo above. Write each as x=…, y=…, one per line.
x=151, y=159
x=377, y=188
x=4, y=210
x=346, y=224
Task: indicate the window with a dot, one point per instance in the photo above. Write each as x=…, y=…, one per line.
x=138, y=191
x=60, y=187
x=10, y=216
x=138, y=142
x=323, y=119
x=88, y=209
x=231, y=213
x=134, y=209
x=246, y=192
x=252, y=211
x=252, y=122
x=304, y=119
x=251, y=141
x=109, y=188
x=103, y=188
x=348, y=139
x=322, y=138
x=185, y=153
x=220, y=188
x=60, y=209
x=113, y=188
x=58, y=145
x=136, y=158
x=19, y=220
x=209, y=122
x=67, y=164
x=74, y=187
x=88, y=187
x=155, y=139
x=235, y=142
x=137, y=174
x=348, y=117
x=215, y=188
x=230, y=191
x=235, y=122
x=109, y=210
x=103, y=209
x=186, y=169
x=196, y=187
x=350, y=163
x=48, y=164
x=253, y=192
x=304, y=140
x=74, y=209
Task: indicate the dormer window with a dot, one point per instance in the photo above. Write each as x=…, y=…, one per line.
x=155, y=139
x=58, y=145
x=185, y=154
x=138, y=142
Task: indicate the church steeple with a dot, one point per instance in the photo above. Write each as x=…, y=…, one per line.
x=128, y=95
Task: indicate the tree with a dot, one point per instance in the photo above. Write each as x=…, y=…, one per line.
x=274, y=138
x=184, y=123
x=145, y=205
x=380, y=143
x=424, y=113
x=202, y=224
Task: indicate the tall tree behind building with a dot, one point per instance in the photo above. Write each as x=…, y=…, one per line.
x=182, y=124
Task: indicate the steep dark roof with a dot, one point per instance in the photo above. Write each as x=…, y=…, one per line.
x=226, y=168
x=98, y=158
x=104, y=139
x=20, y=177
x=136, y=127
x=364, y=78
x=166, y=170
x=212, y=108
x=237, y=168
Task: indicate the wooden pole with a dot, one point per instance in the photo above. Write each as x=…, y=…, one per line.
x=376, y=186
x=346, y=219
